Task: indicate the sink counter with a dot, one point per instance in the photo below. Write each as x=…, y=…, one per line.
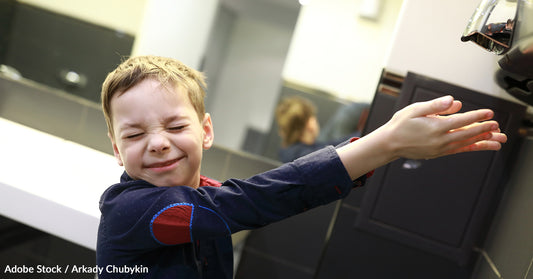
x=53, y=184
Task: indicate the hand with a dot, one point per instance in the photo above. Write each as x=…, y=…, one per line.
x=423, y=130
x=432, y=129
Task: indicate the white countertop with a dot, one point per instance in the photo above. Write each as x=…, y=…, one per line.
x=53, y=184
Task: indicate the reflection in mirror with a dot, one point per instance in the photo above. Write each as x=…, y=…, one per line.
x=244, y=61
x=328, y=48
x=302, y=130
x=61, y=51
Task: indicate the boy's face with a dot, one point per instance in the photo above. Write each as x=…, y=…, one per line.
x=157, y=134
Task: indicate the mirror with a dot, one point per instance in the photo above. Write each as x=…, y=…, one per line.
x=244, y=61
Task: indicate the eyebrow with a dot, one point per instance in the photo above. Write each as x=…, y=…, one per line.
x=127, y=126
x=166, y=120
x=173, y=118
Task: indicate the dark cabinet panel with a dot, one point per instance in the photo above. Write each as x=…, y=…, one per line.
x=358, y=254
x=442, y=205
x=290, y=248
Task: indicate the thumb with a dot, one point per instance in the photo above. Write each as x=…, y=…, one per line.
x=435, y=106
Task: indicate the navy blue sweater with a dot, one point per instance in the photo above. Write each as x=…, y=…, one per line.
x=180, y=232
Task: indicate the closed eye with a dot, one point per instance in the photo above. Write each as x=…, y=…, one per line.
x=134, y=136
x=177, y=128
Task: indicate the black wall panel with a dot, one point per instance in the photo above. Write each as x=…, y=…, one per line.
x=45, y=47
x=441, y=205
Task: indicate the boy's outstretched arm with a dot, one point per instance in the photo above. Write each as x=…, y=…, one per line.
x=423, y=130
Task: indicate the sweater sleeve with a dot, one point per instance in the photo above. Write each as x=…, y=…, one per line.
x=147, y=217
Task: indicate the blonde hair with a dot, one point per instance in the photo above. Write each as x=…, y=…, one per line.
x=292, y=115
x=167, y=71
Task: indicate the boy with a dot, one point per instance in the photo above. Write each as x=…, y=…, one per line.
x=165, y=220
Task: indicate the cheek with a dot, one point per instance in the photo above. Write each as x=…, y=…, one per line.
x=193, y=146
x=191, y=139
x=131, y=154
x=316, y=129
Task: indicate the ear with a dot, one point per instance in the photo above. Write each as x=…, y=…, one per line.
x=115, y=150
x=208, y=133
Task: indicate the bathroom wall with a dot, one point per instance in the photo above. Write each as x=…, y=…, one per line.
x=427, y=41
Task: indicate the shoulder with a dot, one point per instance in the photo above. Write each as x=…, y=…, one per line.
x=122, y=189
x=127, y=199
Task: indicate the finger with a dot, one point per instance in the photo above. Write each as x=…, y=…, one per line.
x=485, y=141
x=469, y=141
x=499, y=137
x=455, y=107
x=479, y=146
x=472, y=130
x=456, y=121
x=434, y=106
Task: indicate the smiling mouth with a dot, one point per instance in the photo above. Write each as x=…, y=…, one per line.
x=163, y=165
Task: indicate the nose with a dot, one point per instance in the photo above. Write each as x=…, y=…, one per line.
x=158, y=143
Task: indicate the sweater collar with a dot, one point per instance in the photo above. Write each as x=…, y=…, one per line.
x=204, y=180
